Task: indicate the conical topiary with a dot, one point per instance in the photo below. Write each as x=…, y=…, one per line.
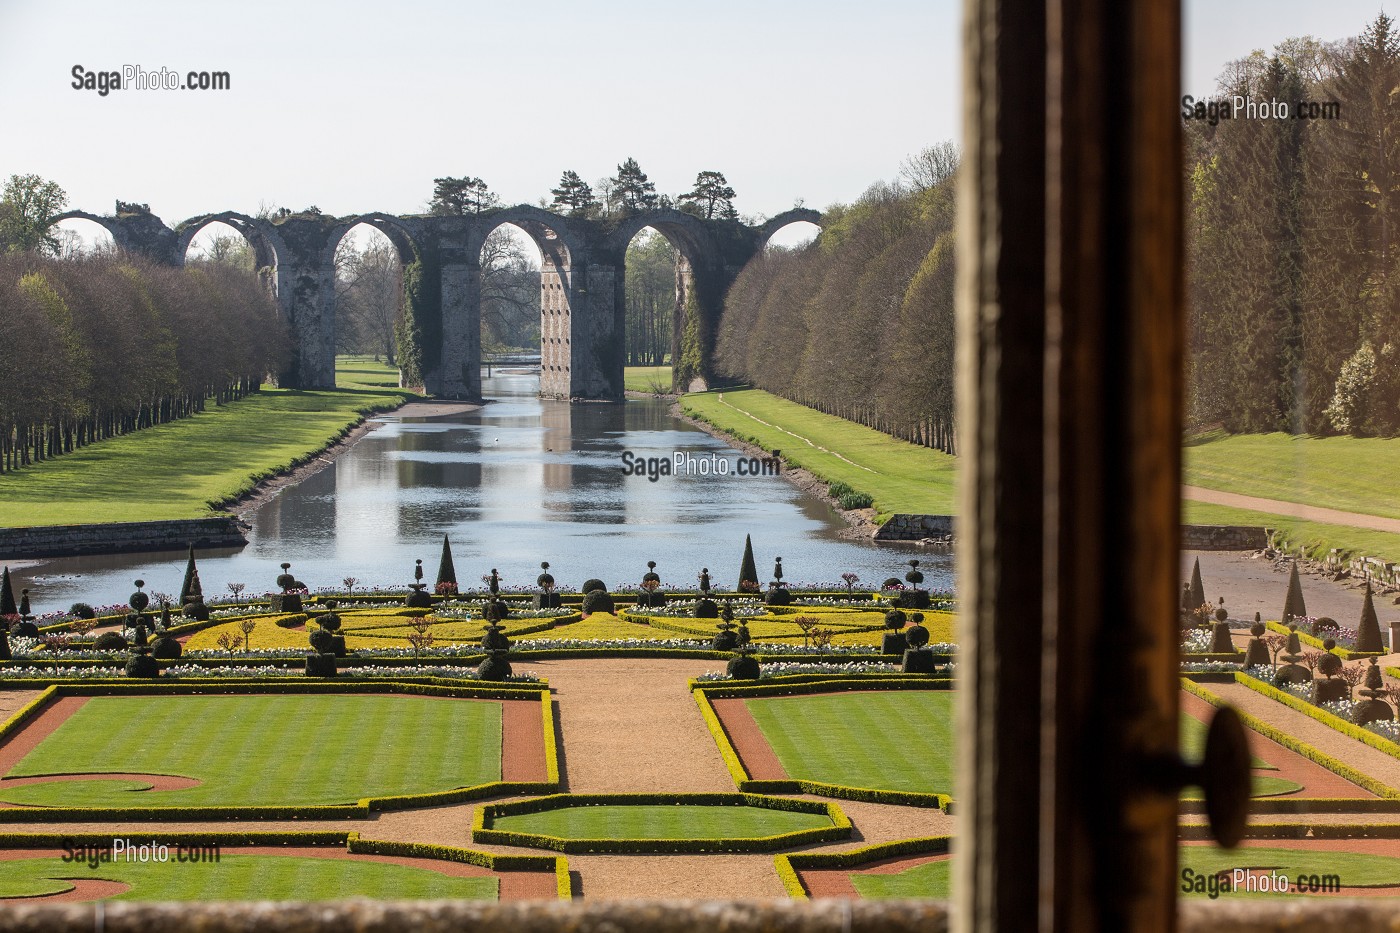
x=1293, y=606
x=447, y=573
x=1368, y=632
x=190, y=590
x=7, y=596
x=748, y=570
x=1198, y=591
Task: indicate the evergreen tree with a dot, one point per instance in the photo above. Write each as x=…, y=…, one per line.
x=630, y=189
x=1198, y=590
x=710, y=198
x=574, y=195
x=457, y=196
x=1293, y=605
x=1368, y=631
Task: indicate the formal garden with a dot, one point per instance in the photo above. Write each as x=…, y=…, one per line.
x=470, y=738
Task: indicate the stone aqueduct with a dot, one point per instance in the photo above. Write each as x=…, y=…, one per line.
x=581, y=285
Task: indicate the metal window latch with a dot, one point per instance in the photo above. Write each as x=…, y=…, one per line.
x=1223, y=775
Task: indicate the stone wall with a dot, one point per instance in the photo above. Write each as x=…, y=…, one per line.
x=119, y=537
x=1223, y=538
x=904, y=527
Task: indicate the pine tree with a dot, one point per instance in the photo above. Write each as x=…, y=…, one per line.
x=631, y=191
x=748, y=570
x=574, y=195
x=447, y=573
x=457, y=196
x=710, y=198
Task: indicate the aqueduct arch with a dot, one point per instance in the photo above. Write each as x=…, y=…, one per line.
x=582, y=285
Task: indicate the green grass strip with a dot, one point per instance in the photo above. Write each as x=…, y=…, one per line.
x=789, y=865
x=901, y=477
x=188, y=468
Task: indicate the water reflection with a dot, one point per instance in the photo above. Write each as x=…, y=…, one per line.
x=520, y=481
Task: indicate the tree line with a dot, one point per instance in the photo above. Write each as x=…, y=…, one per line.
x=859, y=323
x=1293, y=269
x=108, y=344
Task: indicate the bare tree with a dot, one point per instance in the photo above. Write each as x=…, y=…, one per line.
x=931, y=166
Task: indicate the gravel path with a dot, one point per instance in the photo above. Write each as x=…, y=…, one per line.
x=1311, y=513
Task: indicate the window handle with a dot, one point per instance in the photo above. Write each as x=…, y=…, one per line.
x=1223, y=775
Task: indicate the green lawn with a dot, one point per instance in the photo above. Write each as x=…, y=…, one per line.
x=176, y=470
x=245, y=878
x=886, y=740
x=264, y=750
x=900, y=476
x=931, y=879
x=664, y=821
x=651, y=379
x=1193, y=748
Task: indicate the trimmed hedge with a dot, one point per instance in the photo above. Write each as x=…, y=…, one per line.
x=1312, y=641
x=789, y=865
x=780, y=686
x=556, y=863
x=1300, y=831
x=481, y=832
x=1302, y=748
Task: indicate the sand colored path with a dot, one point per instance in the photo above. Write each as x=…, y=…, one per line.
x=1310, y=513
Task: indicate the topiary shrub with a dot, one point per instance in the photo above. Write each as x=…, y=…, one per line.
x=494, y=668
x=895, y=619
x=778, y=596
x=142, y=665
x=913, y=599
x=594, y=584
x=743, y=667
x=322, y=641
x=25, y=630
x=892, y=583
x=549, y=600
x=83, y=611
x=197, y=611
x=320, y=665
x=166, y=648
x=111, y=641
x=705, y=609
x=598, y=601
x=291, y=621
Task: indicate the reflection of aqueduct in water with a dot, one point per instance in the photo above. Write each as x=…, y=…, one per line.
x=581, y=285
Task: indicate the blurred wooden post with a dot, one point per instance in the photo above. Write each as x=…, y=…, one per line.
x=1070, y=259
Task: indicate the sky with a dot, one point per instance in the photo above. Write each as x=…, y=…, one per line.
x=356, y=106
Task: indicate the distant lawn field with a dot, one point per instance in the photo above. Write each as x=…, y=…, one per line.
x=263, y=750
x=901, y=477
x=176, y=470
x=660, y=821
x=238, y=877
x=885, y=740
x=650, y=379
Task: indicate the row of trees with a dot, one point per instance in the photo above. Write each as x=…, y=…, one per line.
x=859, y=323
x=627, y=192
x=1294, y=271
x=105, y=345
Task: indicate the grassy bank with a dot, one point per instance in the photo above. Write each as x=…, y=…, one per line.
x=901, y=477
x=175, y=470
x=652, y=379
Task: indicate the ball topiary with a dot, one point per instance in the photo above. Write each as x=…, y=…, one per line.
x=83, y=611
x=322, y=641
x=916, y=635
x=778, y=596
x=895, y=619
x=196, y=610
x=494, y=668
x=111, y=641
x=139, y=600
x=891, y=583
x=142, y=665
x=598, y=601
x=705, y=609
x=166, y=648
x=595, y=584
x=285, y=580
x=743, y=667
x=1329, y=665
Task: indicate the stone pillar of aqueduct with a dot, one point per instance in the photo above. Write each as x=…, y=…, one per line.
x=582, y=286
